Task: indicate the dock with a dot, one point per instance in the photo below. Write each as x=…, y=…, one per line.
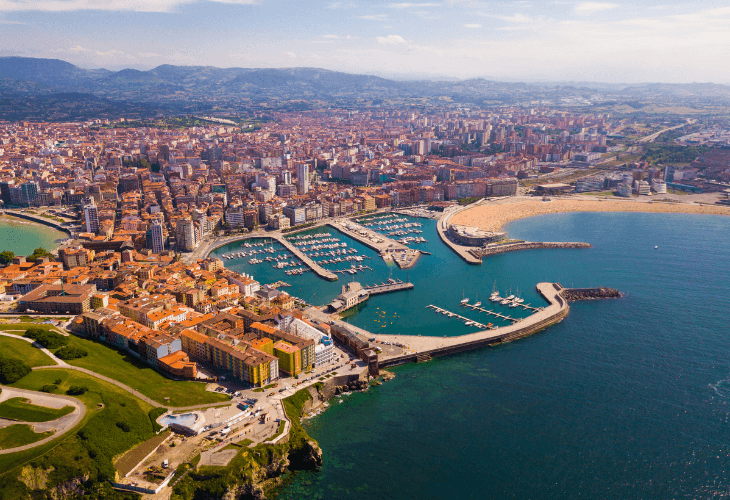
x=388, y=287
x=319, y=270
x=526, y=307
x=466, y=320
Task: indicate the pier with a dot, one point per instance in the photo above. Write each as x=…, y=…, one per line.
x=466, y=320
x=388, y=287
x=319, y=270
x=426, y=347
x=526, y=307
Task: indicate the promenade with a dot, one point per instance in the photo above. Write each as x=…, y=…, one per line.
x=443, y=224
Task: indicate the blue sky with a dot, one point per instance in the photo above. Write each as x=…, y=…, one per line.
x=529, y=40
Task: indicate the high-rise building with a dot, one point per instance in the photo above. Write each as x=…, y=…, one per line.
x=5, y=192
x=286, y=177
x=186, y=236
x=30, y=193
x=91, y=214
x=303, y=177
x=158, y=237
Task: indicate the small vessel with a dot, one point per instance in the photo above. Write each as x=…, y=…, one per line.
x=464, y=301
x=477, y=304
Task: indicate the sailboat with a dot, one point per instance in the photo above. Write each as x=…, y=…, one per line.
x=464, y=300
x=477, y=304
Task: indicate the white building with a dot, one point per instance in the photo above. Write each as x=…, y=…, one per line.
x=303, y=177
x=659, y=186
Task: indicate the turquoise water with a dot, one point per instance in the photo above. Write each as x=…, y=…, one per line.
x=625, y=398
x=22, y=237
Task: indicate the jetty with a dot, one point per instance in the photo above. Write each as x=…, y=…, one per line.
x=319, y=270
x=423, y=348
x=393, y=286
x=466, y=320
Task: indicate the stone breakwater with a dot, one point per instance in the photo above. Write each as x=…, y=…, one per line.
x=527, y=245
x=574, y=294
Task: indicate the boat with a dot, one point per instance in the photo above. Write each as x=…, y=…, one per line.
x=465, y=301
x=477, y=304
x=505, y=302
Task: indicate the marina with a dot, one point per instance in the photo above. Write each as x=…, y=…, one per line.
x=467, y=321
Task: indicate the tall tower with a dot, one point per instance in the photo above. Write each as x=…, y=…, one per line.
x=303, y=178
x=158, y=237
x=91, y=215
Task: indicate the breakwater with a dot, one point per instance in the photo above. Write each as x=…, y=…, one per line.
x=574, y=294
x=425, y=348
x=479, y=253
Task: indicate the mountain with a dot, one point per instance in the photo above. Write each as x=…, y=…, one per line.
x=193, y=89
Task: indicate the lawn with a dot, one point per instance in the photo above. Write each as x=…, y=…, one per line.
x=19, y=435
x=115, y=422
x=137, y=374
x=23, y=351
x=19, y=409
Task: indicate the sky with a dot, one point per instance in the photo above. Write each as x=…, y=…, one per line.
x=524, y=40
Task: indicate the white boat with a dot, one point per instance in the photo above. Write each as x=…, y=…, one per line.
x=477, y=304
x=505, y=302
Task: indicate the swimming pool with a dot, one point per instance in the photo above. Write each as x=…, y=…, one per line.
x=185, y=419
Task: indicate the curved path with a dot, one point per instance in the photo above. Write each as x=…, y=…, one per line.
x=60, y=425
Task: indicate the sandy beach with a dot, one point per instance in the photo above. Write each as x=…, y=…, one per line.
x=494, y=216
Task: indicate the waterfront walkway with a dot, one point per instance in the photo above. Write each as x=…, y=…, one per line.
x=435, y=346
x=319, y=270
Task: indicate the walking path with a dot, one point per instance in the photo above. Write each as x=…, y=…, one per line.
x=60, y=425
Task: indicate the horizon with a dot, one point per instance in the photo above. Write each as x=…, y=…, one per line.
x=390, y=76
x=525, y=40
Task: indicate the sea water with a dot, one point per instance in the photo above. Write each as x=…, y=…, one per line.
x=626, y=398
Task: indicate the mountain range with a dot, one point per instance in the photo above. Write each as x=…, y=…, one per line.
x=54, y=89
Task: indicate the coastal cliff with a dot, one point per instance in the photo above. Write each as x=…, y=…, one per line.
x=256, y=473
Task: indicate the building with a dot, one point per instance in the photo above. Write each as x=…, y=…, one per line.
x=158, y=237
x=554, y=189
x=303, y=178
x=473, y=236
x=58, y=299
x=91, y=215
x=187, y=237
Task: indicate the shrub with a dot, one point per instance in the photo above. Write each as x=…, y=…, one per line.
x=76, y=390
x=124, y=426
x=12, y=370
x=71, y=352
x=49, y=340
x=49, y=388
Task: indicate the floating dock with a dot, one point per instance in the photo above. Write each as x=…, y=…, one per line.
x=466, y=320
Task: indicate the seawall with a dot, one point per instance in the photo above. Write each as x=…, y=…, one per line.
x=527, y=245
x=425, y=348
x=39, y=220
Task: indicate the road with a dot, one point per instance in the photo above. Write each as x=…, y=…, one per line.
x=61, y=425
x=652, y=137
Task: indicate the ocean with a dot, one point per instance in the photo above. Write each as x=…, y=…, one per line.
x=22, y=237
x=626, y=398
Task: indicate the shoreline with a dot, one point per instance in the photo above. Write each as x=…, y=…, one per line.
x=497, y=216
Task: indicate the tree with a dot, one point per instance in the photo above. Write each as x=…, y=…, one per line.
x=6, y=257
x=12, y=370
x=38, y=253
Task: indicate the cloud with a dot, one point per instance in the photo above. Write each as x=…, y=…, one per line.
x=333, y=37
x=107, y=5
x=591, y=7
x=390, y=40
x=406, y=5
x=149, y=54
x=517, y=18
x=341, y=5
x=374, y=17
x=290, y=55
x=472, y=25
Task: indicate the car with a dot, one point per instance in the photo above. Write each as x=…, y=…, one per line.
x=271, y=394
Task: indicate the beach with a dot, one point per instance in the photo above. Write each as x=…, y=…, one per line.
x=494, y=216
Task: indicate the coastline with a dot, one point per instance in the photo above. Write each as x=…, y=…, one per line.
x=496, y=216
